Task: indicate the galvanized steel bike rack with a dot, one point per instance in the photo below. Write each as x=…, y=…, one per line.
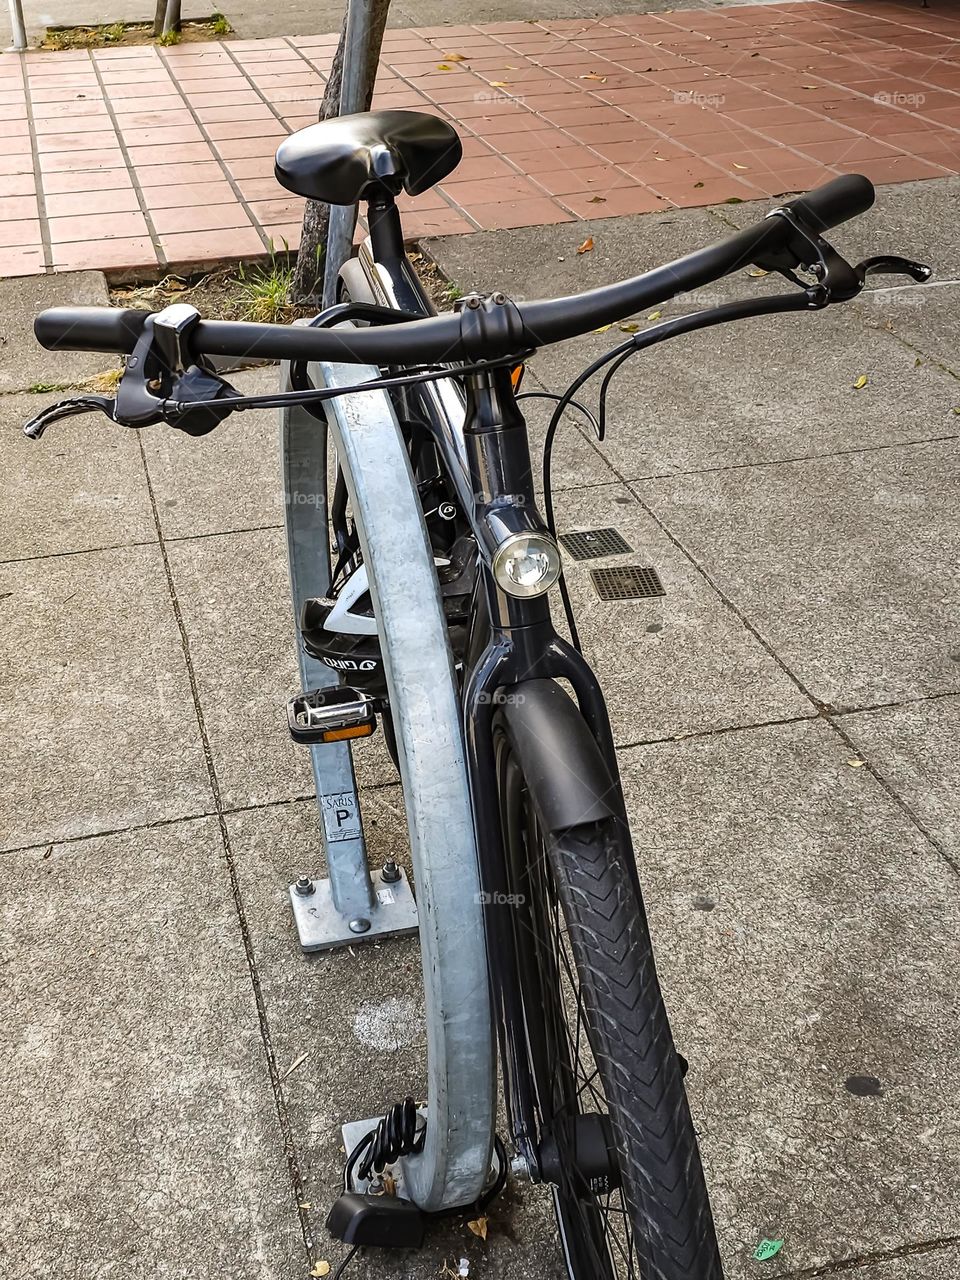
x=454, y=1165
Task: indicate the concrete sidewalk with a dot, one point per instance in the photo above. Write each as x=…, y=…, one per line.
x=175, y=1071
x=141, y=160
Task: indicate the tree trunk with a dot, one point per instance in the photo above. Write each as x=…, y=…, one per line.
x=307, y=283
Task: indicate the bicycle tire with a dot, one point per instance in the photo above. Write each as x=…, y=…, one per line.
x=588, y=880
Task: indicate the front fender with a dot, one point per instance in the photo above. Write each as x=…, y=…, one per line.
x=565, y=771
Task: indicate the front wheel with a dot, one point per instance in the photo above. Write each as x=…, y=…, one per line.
x=606, y=1072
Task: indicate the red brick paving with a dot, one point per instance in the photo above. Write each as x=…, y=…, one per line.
x=136, y=160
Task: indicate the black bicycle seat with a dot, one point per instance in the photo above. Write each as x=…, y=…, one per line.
x=350, y=158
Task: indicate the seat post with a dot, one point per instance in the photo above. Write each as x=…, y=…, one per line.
x=386, y=232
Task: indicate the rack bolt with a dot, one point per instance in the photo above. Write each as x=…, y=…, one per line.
x=360, y=924
x=304, y=886
x=390, y=873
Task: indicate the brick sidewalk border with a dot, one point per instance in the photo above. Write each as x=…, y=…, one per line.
x=140, y=160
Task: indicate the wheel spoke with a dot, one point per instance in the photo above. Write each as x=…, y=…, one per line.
x=604, y=1234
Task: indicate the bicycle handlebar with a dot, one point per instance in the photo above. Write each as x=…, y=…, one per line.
x=481, y=329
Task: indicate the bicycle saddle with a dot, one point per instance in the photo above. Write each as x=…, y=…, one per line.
x=350, y=158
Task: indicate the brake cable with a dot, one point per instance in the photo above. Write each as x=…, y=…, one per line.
x=812, y=298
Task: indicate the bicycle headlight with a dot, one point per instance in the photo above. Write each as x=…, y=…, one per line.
x=526, y=564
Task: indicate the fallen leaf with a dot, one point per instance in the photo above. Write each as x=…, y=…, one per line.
x=654, y=315
x=758, y=272
x=479, y=1227
x=305, y=1205
x=592, y=75
x=861, y=382
x=767, y=1249
x=697, y=185
x=809, y=86
x=740, y=166
x=603, y=328
x=597, y=200
x=455, y=57
x=854, y=764
x=497, y=84
x=293, y=1065
x=628, y=326
x=443, y=66
x=586, y=246
x=321, y=1268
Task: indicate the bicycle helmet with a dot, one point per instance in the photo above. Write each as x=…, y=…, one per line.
x=341, y=632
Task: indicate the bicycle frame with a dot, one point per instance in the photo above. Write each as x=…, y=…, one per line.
x=480, y=436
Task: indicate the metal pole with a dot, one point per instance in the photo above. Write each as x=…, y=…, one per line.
x=353, y=93
x=16, y=22
x=171, y=19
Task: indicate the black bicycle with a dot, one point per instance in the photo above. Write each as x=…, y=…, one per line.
x=593, y=1085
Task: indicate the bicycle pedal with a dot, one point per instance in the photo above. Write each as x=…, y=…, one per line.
x=331, y=715
x=383, y=1222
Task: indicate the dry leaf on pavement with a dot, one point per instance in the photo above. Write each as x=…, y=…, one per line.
x=479, y=1227
x=860, y=383
x=586, y=246
x=298, y=1062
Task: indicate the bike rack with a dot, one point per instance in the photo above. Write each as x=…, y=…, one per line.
x=454, y=1165
x=349, y=906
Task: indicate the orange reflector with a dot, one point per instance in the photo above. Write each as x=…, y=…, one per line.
x=516, y=376
x=351, y=731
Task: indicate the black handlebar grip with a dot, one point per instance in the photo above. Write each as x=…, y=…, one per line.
x=89, y=329
x=839, y=201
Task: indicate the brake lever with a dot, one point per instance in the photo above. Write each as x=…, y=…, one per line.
x=162, y=382
x=840, y=281
x=35, y=428
x=892, y=265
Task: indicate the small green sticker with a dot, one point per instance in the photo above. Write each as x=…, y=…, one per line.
x=767, y=1249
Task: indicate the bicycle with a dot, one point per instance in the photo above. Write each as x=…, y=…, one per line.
x=434, y=569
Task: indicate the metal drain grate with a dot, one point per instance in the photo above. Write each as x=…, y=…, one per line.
x=627, y=582
x=591, y=544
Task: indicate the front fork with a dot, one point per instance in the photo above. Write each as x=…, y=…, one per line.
x=512, y=640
